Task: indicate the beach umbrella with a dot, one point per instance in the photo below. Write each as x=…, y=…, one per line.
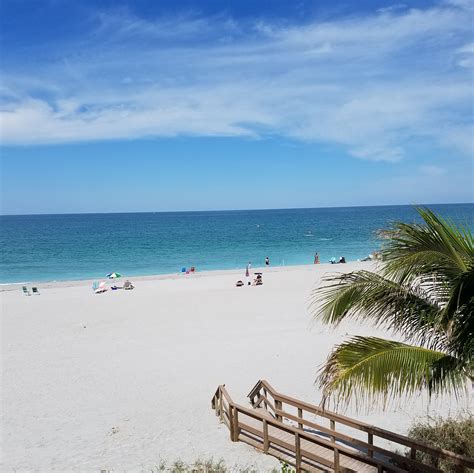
x=114, y=275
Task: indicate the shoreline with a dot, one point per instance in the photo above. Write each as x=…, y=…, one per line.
x=6, y=287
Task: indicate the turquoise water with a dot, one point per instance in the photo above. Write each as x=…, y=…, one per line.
x=66, y=247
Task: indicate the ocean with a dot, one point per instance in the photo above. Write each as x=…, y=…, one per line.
x=83, y=246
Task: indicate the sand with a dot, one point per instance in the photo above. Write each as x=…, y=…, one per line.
x=124, y=380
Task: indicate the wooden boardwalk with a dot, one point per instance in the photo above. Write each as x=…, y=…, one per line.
x=286, y=428
x=314, y=457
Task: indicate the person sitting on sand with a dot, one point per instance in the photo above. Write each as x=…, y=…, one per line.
x=258, y=281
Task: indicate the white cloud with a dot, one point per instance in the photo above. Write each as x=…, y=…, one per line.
x=369, y=84
x=467, y=48
x=430, y=170
x=466, y=54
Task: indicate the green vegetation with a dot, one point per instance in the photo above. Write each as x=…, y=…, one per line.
x=424, y=292
x=208, y=466
x=453, y=434
x=199, y=466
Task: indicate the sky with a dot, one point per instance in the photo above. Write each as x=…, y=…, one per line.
x=123, y=106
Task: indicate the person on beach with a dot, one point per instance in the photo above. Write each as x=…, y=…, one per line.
x=316, y=258
x=267, y=261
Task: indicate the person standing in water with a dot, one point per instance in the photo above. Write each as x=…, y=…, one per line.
x=247, y=272
x=316, y=258
x=267, y=261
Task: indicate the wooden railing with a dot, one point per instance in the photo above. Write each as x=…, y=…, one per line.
x=290, y=436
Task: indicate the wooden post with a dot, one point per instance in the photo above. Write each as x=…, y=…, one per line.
x=300, y=415
x=371, y=442
x=231, y=422
x=266, y=441
x=413, y=453
x=220, y=408
x=278, y=406
x=298, y=452
x=336, y=450
x=236, y=425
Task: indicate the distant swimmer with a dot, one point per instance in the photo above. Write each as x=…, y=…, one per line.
x=316, y=258
x=267, y=261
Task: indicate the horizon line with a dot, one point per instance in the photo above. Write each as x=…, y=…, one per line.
x=235, y=210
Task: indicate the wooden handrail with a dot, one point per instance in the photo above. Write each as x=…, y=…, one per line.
x=370, y=429
x=237, y=426
x=338, y=436
x=320, y=441
x=339, y=443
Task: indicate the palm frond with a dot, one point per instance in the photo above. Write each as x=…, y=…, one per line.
x=435, y=248
x=425, y=292
x=364, y=295
x=462, y=292
x=460, y=326
x=377, y=369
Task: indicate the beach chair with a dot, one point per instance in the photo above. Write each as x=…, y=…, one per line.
x=25, y=291
x=127, y=285
x=101, y=288
x=95, y=286
x=34, y=290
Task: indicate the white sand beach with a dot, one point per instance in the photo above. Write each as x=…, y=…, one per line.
x=123, y=380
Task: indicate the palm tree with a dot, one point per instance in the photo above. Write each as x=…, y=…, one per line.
x=424, y=293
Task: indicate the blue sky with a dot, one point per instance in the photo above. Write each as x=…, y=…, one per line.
x=153, y=106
